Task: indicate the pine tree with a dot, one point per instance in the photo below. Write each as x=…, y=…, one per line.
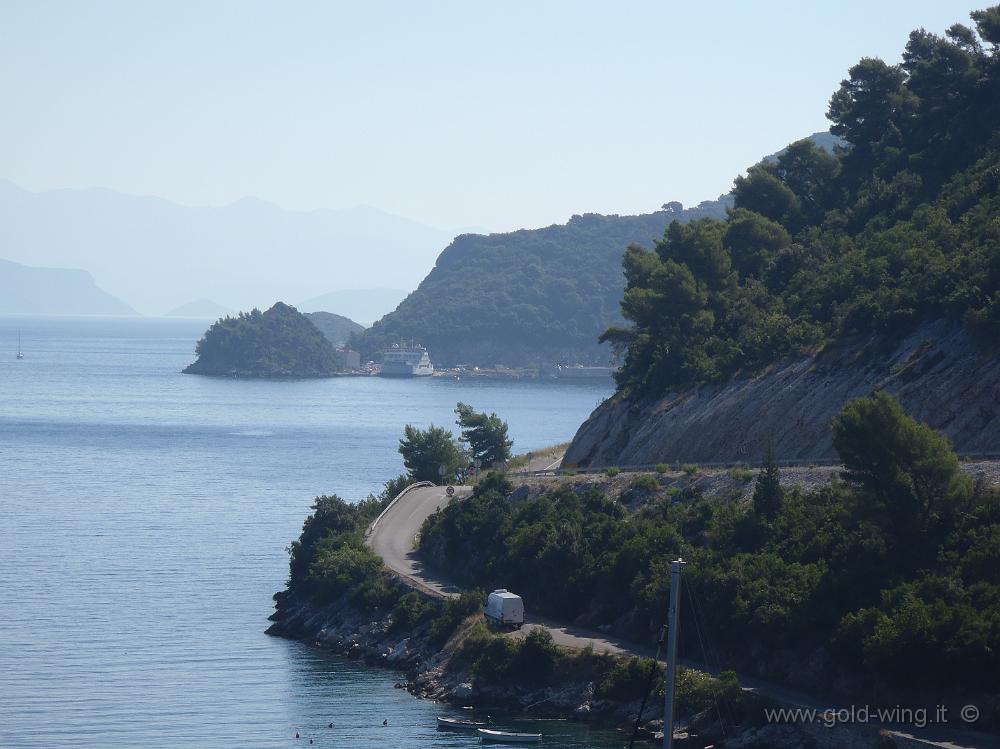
x=768, y=494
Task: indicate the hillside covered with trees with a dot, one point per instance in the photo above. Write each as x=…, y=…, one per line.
x=280, y=342
x=886, y=583
x=896, y=228
x=525, y=297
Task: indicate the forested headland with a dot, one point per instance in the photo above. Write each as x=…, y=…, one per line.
x=526, y=297
x=280, y=342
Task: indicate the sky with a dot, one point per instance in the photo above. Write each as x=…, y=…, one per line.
x=491, y=116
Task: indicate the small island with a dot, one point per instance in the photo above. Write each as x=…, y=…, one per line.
x=280, y=342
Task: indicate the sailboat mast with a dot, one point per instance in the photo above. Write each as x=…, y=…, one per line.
x=672, y=628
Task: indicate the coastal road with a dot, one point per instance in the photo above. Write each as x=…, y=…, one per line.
x=393, y=537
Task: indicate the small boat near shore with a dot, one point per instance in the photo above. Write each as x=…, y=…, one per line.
x=459, y=724
x=488, y=735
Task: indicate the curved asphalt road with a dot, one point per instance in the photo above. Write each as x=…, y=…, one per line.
x=394, y=537
x=395, y=533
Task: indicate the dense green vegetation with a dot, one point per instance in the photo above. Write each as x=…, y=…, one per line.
x=330, y=558
x=485, y=434
x=524, y=297
x=425, y=451
x=535, y=660
x=330, y=561
x=337, y=328
x=280, y=342
x=890, y=574
x=897, y=227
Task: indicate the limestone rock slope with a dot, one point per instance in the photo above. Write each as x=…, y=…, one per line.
x=941, y=374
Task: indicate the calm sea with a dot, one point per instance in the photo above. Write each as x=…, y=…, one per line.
x=144, y=517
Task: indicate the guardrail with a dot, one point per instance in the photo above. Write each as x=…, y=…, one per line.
x=376, y=521
x=677, y=467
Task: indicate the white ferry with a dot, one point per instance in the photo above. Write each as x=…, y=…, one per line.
x=406, y=361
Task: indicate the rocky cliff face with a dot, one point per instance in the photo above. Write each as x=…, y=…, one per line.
x=940, y=373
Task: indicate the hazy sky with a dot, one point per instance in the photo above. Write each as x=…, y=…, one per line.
x=459, y=114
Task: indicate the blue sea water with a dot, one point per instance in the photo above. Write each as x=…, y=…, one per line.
x=144, y=517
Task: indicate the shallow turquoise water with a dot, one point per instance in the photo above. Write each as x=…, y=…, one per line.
x=144, y=517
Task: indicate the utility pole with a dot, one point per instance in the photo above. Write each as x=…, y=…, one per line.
x=673, y=626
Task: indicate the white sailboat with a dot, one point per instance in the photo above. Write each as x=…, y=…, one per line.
x=20, y=355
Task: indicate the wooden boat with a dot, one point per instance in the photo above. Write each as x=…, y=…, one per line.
x=508, y=737
x=459, y=724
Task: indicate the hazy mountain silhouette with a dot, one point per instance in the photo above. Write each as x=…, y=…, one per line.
x=157, y=254
x=54, y=291
x=363, y=305
x=336, y=328
x=202, y=308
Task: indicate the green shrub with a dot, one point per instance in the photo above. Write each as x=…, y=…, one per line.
x=662, y=468
x=339, y=567
x=376, y=592
x=697, y=691
x=491, y=655
x=455, y=610
x=613, y=471
x=410, y=610
x=743, y=475
x=629, y=679
x=690, y=468
x=500, y=658
x=644, y=482
x=536, y=656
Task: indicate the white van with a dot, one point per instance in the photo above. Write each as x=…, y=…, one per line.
x=504, y=608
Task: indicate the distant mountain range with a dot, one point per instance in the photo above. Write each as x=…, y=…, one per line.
x=156, y=254
x=200, y=308
x=363, y=305
x=336, y=328
x=54, y=291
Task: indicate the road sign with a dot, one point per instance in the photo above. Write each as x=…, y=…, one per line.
x=450, y=491
x=442, y=469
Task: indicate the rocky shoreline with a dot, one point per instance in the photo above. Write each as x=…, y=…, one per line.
x=345, y=628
